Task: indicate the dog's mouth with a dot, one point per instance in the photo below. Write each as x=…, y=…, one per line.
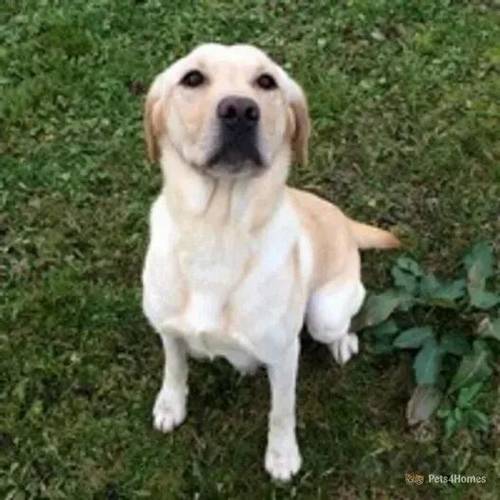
x=236, y=153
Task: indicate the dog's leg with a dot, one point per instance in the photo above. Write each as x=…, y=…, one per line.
x=282, y=455
x=329, y=315
x=170, y=407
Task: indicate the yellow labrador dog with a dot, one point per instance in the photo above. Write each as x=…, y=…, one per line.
x=237, y=260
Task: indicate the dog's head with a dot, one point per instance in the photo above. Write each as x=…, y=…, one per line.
x=226, y=110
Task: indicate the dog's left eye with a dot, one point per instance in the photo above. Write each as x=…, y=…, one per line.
x=193, y=78
x=266, y=82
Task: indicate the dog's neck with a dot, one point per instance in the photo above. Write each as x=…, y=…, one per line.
x=243, y=202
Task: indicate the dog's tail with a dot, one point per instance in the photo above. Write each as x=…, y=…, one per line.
x=372, y=237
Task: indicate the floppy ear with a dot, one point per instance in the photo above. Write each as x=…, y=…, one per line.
x=154, y=120
x=302, y=123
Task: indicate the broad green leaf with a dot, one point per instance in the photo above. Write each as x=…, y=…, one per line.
x=413, y=337
x=428, y=363
x=489, y=328
x=423, y=403
x=455, y=343
x=385, y=329
x=482, y=299
x=404, y=280
x=452, y=290
x=473, y=368
x=428, y=285
x=457, y=413
x=442, y=294
x=407, y=264
x=467, y=394
x=478, y=420
x=479, y=263
x=378, y=308
x=480, y=345
x=444, y=411
x=407, y=303
x=451, y=425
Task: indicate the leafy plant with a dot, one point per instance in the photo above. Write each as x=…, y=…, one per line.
x=463, y=413
x=452, y=327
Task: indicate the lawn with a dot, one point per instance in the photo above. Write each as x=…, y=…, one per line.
x=404, y=101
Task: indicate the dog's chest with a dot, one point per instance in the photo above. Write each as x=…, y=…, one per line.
x=224, y=293
x=213, y=260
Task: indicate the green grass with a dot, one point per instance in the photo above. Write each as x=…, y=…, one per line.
x=404, y=99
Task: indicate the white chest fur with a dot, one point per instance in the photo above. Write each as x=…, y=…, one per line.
x=226, y=292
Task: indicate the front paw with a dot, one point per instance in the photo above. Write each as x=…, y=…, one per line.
x=344, y=348
x=169, y=410
x=283, y=460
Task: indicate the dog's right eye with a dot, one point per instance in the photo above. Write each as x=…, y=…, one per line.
x=193, y=78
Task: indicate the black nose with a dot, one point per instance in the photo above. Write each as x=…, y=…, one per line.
x=236, y=112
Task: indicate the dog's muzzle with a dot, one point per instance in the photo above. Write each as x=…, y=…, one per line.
x=237, y=149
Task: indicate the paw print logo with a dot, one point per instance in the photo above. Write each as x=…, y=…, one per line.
x=414, y=478
x=419, y=478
